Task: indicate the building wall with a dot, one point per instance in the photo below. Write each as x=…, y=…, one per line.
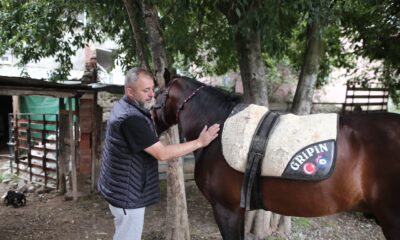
x=43, y=68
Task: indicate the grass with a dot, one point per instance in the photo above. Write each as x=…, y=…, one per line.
x=298, y=225
x=10, y=177
x=275, y=238
x=301, y=223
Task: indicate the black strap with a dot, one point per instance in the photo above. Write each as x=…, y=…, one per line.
x=250, y=195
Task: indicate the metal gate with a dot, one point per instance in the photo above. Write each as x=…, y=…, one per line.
x=34, y=147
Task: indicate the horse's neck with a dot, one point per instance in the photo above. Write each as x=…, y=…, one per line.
x=193, y=125
x=192, y=132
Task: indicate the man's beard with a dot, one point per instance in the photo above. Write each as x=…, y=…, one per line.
x=149, y=104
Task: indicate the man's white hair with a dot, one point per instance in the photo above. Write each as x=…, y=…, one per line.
x=133, y=75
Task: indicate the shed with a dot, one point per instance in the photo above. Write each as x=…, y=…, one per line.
x=81, y=142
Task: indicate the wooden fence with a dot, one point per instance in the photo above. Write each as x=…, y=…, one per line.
x=371, y=98
x=34, y=142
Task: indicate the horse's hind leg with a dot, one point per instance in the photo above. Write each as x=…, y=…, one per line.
x=230, y=222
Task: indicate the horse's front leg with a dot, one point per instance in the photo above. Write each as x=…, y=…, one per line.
x=389, y=220
x=230, y=222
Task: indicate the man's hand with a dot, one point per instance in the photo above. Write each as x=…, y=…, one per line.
x=167, y=152
x=208, y=135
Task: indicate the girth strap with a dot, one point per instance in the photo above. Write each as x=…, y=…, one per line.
x=250, y=195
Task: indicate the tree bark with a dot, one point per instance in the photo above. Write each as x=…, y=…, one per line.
x=156, y=41
x=253, y=71
x=260, y=223
x=138, y=34
x=302, y=102
x=176, y=197
x=252, y=67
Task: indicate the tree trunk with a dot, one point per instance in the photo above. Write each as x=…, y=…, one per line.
x=177, y=217
x=176, y=196
x=138, y=34
x=252, y=67
x=302, y=102
x=259, y=223
x=156, y=41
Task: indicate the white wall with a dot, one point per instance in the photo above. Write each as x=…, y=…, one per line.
x=43, y=68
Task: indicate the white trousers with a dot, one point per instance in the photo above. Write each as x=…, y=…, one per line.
x=128, y=223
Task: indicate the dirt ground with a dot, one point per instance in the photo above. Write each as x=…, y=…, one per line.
x=49, y=216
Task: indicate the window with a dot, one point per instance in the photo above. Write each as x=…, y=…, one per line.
x=6, y=58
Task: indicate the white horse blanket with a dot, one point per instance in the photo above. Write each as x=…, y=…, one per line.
x=296, y=143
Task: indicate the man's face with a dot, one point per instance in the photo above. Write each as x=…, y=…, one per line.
x=142, y=91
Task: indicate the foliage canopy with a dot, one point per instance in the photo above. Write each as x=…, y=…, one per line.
x=197, y=35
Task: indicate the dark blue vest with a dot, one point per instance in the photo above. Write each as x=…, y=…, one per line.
x=127, y=180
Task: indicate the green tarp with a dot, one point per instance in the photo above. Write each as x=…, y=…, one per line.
x=37, y=106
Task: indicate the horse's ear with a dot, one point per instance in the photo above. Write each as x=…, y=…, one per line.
x=167, y=76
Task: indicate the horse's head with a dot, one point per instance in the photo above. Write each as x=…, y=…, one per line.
x=171, y=99
x=162, y=108
x=191, y=104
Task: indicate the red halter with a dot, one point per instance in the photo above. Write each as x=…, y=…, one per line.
x=186, y=100
x=164, y=98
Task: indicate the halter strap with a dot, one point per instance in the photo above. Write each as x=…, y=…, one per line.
x=162, y=105
x=165, y=95
x=187, y=100
x=163, y=102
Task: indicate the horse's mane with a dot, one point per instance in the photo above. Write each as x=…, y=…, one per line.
x=230, y=96
x=221, y=100
x=217, y=90
x=227, y=95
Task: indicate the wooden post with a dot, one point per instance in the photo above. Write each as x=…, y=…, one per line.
x=44, y=157
x=72, y=145
x=16, y=142
x=62, y=143
x=97, y=119
x=15, y=106
x=76, y=134
x=29, y=142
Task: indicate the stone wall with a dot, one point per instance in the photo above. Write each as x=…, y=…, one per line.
x=106, y=101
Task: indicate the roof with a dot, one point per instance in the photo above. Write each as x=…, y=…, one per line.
x=29, y=86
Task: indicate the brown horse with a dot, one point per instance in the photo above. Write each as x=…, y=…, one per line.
x=366, y=176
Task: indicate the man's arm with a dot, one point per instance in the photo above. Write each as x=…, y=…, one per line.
x=167, y=152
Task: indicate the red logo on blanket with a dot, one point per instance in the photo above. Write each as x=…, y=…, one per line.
x=313, y=162
x=309, y=168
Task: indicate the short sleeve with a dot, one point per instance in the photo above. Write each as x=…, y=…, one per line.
x=138, y=133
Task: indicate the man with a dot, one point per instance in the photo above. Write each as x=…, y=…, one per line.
x=129, y=172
